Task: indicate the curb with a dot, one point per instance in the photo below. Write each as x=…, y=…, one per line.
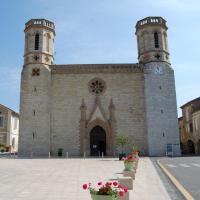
x=178, y=185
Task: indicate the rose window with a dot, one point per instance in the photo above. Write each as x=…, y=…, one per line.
x=97, y=86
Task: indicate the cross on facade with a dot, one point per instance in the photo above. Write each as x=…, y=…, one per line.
x=157, y=56
x=35, y=72
x=36, y=57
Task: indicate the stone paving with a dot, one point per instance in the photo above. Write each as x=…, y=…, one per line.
x=59, y=179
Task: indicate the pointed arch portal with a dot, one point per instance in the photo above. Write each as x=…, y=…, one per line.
x=97, y=141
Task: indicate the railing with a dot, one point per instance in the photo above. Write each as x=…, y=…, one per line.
x=40, y=22
x=151, y=20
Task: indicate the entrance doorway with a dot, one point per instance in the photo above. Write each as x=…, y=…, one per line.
x=198, y=147
x=191, y=149
x=97, y=141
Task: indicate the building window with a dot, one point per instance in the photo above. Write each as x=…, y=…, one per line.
x=156, y=40
x=191, y=127
x=162, y=111
x=15, y=123
x=13, y=142
x=35, y=72
x=33, y=112
x=37, y=40
x=1, y=121
x=96, y=86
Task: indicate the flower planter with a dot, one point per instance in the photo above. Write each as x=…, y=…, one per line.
x=122, y=155
x=128, y=166
x=103, y=197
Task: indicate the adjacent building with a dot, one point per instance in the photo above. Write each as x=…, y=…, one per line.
x=81, y=108
x=189, y=127
x=9, y=129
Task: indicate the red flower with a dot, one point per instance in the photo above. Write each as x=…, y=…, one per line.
x=125, y=190
x=115, y=183
x=121, y=194
x=108, y=184
x=85, y=186
x=99, y=183
x=119, y=186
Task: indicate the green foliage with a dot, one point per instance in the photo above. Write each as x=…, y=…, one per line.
x=122, y=141
x=135, y=148
x=2, y=145
x=105, y=190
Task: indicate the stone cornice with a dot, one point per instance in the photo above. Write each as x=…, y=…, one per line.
x=96, y=68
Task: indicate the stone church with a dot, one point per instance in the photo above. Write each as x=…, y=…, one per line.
x=81, y=108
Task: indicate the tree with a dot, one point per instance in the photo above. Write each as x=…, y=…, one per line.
x=122, y=141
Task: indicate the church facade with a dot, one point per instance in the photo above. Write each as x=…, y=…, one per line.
x=80, y=109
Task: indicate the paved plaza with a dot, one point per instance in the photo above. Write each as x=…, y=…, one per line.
x=59, y=179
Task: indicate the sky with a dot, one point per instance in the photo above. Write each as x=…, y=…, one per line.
x=100, y=31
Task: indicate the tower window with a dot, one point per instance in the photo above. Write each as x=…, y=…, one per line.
x=37, y=40
x=156, y=41
x=48, y=42
x=33, y=135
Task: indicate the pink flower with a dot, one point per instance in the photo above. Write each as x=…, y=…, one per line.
x=125, y=190
x=85, y=186
x=99, y=183
x=121, y=194
x=115, y=183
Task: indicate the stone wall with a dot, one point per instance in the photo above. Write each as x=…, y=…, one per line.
x=35, y=127
x=68, y=90
x=161, y=108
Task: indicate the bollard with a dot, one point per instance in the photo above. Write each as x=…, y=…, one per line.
x=67, y=155
x=102, y=154
x=84, y=155
x=31, y=154
x=99, y=154
x=49, y=155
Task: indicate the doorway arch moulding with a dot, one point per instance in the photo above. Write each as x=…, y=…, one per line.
x=93, y=120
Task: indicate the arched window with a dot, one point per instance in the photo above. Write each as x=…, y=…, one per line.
x=156, y=40
x=48, y=42
x=27, y=46
x=37, y=40
x=165, y=41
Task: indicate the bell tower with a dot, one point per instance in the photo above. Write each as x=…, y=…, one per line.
x=152, y=41
x=39, y=42
x=35, y=94
x=159, y=86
